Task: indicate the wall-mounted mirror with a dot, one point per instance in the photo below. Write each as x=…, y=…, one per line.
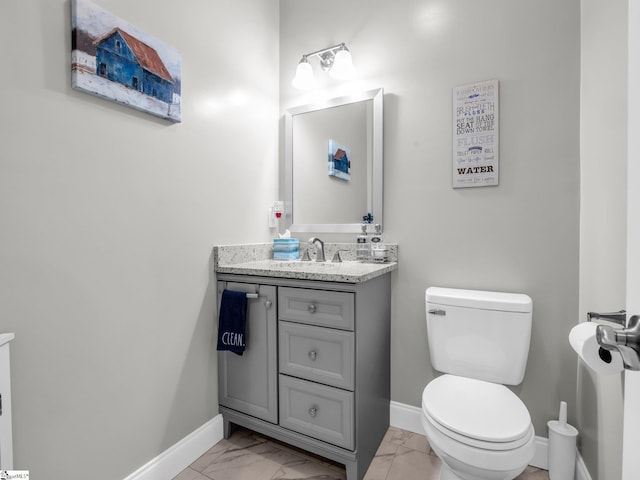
x=334, y=164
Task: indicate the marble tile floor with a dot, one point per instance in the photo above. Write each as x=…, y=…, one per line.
x=248, y=455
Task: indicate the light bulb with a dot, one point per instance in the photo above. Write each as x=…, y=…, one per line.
x=342, y=68
x=304, y=79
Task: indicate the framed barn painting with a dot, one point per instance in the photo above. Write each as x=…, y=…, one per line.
x=117, y=61
x=339, y=161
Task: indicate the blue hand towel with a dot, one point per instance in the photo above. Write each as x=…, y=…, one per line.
x=232, y=321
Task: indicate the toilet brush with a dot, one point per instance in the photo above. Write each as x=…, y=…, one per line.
x=562, y=447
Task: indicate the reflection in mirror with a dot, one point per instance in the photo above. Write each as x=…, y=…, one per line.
x=333, y=163
x=319, y=197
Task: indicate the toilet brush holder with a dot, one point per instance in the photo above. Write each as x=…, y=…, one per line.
x=562, y=447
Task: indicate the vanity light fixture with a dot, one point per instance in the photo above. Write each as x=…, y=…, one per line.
x=336, y=60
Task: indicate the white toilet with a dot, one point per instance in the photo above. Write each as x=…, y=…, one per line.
x=480, y=340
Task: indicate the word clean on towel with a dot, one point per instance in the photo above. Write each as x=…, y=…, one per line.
x=233, y=339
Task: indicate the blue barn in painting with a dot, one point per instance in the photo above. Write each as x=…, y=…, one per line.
x=123, y=58
x=341, y=162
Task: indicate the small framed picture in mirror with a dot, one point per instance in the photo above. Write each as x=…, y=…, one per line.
x=339, y=164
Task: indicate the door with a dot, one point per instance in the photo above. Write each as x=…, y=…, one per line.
x=6, y=440
x=248, y=383
x=631, y=435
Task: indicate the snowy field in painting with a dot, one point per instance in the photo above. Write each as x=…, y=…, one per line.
x=84, y=78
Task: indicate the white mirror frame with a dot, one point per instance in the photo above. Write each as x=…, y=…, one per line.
x=377, y=96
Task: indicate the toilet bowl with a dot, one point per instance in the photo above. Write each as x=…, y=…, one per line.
x=480, y=430
x=479, y=340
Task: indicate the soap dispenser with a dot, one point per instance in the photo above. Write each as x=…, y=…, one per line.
x=363, y=250
x=378, y=248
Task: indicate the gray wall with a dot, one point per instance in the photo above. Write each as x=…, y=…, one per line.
x=108, y=218
x=521, y=236
x=105, y=252
x=603, y=185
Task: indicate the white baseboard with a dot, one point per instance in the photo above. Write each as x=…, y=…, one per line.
x=407, y=417
x=182, y=454
x=581, y=469
x=179, y=456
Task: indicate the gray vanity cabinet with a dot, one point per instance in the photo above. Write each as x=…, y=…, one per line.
x=332, y=371
x=248, y=382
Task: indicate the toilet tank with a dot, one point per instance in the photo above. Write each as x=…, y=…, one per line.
x=478, y=334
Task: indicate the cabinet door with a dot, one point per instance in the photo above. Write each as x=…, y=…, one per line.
x=248, y=383
x=6, y=441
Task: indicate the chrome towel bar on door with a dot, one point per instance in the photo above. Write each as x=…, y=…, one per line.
x=267, y=303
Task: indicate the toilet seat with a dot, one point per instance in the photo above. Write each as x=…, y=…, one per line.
x=477, y=413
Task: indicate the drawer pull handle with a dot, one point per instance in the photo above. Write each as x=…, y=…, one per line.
x=313, y=411
x=268, y=304
x=313, y=355
x=312, y=308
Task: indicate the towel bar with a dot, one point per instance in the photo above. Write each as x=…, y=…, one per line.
x=267, y=302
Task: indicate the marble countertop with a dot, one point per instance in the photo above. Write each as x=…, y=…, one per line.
x=256, y=259
x=346, y=271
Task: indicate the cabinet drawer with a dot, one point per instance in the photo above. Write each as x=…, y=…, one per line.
x=316, y=307
x=324, y=355
x=319, y=411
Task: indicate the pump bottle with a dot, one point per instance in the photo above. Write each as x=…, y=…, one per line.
x=363, y=250
x=378, y=248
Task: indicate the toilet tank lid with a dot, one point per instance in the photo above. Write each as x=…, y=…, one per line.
x=506, y=302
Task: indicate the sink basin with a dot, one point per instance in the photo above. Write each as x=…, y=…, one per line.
x=300, y=265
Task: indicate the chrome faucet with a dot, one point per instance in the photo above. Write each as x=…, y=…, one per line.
x=319, y=248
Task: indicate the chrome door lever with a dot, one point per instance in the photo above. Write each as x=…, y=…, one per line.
x=615, y=317
x=437, y=311
x=625, y=341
